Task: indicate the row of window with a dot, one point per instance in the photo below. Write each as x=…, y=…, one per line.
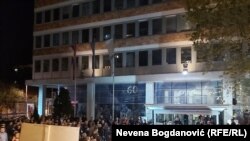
x=88, y=8
x=169, y=24
x=143, y=60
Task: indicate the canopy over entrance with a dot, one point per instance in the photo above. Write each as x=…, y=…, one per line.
x=185, y=109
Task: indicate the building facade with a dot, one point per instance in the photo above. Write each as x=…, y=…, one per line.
x=151, y=50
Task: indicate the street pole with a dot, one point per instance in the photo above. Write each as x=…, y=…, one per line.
x=75, y=94
x=26, y=100
x=110, y=47
x=74, y=76
x=113, y=81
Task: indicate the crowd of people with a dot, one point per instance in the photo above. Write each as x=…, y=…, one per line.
x=90, y=130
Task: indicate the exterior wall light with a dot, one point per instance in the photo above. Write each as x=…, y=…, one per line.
x=185, y=68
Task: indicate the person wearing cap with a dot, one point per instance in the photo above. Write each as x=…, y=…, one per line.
x=3, y=134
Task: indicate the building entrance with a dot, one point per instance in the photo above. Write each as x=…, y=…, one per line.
x=166, y=118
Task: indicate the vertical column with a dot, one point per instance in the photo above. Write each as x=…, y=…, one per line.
x=137, y=30
x=41, y=100
x=164, y=56
x=113, y=5
x=90, y=101
x=101, y=6
x=124, y=59
x=26, y=100
x=101, y=33
x=150, y=58
x=150, y=25
x=227, y=99
x=124, y=30
x=136, y=59
x=149, y=99
x=178, y=59
x=217, y=118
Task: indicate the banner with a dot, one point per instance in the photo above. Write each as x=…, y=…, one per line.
x=41, y=132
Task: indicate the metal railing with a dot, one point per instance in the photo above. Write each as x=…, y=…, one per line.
x=205, y=99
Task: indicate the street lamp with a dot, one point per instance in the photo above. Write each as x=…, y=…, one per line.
x=109, y=45
x=74, y=76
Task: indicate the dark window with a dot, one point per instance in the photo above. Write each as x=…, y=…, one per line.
x=96, y=6
x=143, y=2
x=118, y=31
x=130, y=60
x=75, y=37
x=157, y=26
x=85, y=35
x=107, y=5
x=65, y=12
x=55, y=65
x=106, y=62
x=56, y=14
x=46, y=65
x=156, y=1
x=185, y=54
x=65, y=38
x=96, y=34
x=39, y=18
x=65, y=64
x=38, y=41
x=97, y=62
x=171, y=56
x=75, y=10
x=47, y=16
x=118, y=60
x=118, y=4
x=85, y=62
x=46, y=40
x=171, y=24
x=130, y=30
x=86, y=9
x=56, y=39
x=143, y=28
x=37, y=66
x=106, y=32
x=156, y=57
x=143, y=58
x=131, y=3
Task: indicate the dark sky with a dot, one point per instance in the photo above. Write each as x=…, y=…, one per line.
x=16, y=29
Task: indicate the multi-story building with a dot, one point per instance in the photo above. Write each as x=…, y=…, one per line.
x=151, y=51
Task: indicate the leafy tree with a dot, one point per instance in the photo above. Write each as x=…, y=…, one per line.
x=62, y=104
x=222, y=32
x=9, y=96
x=35, y=115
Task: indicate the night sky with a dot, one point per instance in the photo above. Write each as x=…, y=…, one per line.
x=16, y=29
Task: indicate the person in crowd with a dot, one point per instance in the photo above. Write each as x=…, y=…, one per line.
x=177, y=121
x=233, y=122
x=16, y=136
x=3, y=133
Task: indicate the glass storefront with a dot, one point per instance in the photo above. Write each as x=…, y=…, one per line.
x=201, y=92
x=129, y=100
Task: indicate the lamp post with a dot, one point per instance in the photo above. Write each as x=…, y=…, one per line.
x=109, y=45
x=74, y=77
x=113, y=86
